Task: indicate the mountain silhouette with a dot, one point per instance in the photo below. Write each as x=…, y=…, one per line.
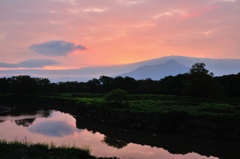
x=157, y=72
x=218, y=66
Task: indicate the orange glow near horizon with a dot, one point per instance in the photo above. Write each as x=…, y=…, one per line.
x=116, y=32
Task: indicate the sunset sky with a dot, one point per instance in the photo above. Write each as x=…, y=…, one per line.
x=61, y=34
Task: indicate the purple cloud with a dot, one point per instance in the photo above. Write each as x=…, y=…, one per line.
x=56, y=48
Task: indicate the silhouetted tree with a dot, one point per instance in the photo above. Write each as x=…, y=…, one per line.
x=119, y=83
x=143, y=87
x=197, y=82
x=200, y=82
x=82, y=87
x=172, y=85
x=4, y=85
x=23, y=84
x=25, y=122
x=68, y=87
x=106, y=84
x=93, y=85
x=130, y=85
x=148, y=86
x=231, y=84
x=43, y=85
x=199, y=69
x=114, y=142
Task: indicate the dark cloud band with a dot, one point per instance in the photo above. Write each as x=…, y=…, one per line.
x=56, y=48
x=29, y=64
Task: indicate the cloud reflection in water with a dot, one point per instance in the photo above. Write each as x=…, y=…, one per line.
x=53, y=129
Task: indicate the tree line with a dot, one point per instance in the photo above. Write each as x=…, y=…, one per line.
x=197, y=82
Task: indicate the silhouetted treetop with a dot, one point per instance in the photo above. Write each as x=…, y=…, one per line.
x=199, y=68
x=201, y=83
x=197, y=82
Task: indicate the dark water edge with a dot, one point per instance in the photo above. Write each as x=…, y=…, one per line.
x=173, y=122
x=175, y=144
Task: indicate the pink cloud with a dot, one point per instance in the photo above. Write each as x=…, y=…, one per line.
x=200, y=12
x=118, y=32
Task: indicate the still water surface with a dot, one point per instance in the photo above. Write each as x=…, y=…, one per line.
x=63, y=129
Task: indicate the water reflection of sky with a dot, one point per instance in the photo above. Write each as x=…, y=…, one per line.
x=53, y=128
x=60, y=128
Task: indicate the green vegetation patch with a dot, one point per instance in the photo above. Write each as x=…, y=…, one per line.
x=157, y=104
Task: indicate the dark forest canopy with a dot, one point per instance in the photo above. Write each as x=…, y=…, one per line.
x=197, y=82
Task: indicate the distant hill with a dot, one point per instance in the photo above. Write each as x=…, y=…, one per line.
x=218, y=66
x=157, y=72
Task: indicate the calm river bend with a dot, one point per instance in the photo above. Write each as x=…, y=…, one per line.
x=64, y=129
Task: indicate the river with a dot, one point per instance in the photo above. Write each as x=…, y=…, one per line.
x=51, y=126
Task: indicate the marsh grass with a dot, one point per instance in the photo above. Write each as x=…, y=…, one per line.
x=151, y=103
x=196, y=107
x=26, y=150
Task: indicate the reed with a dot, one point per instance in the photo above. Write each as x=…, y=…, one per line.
x=27, y=150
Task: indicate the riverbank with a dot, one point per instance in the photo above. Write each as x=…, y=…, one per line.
x=174, y=122
x=175, y=144
x=27, y=150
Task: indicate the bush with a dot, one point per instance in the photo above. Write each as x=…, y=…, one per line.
x=118, y=97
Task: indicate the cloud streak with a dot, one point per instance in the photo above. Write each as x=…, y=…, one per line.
x=32, y=63
x=96, y=10
x=56, y=48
